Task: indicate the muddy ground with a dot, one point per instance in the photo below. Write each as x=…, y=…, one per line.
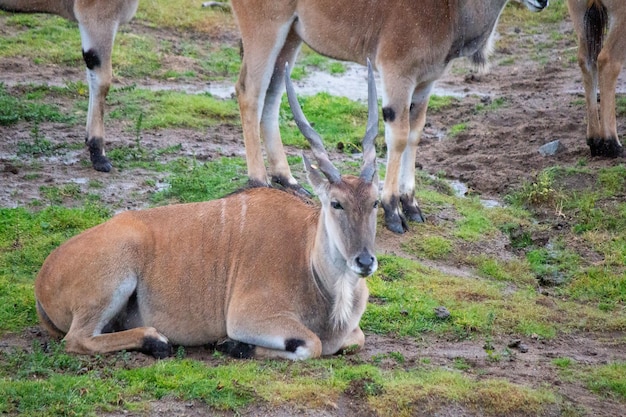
x=496, y=153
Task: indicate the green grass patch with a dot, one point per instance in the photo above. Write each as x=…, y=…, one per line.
x=340, y=121
x=609, y=380
x=92, y=386
x=431, y=246
x=26, y=240
x=166, y=109
x=437, y=103
x=223, y=63
x=404, y=295
x=43, y=38
x=457, y=129
x=492, y=105
x=26, y=105
x=517, y=15
x=192, y=181
x=184, y=15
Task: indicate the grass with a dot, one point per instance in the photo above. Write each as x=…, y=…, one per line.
x=162, y=109
x=339, y=120
x=230, y=385
x=27, y=106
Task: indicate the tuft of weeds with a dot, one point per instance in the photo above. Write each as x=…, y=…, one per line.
x=539, y=192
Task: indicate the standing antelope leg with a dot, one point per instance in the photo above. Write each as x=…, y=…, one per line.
x=98, y=21
x=98, y=24
x=261, y=50
x=417, y=117
x=610, y=62
x=600, y=25
x=97, y=47
x=396, y=109
x=276, y=157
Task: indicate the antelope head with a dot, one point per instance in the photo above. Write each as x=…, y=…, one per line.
x=349, y=203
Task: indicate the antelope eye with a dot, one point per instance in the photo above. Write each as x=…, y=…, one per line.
x=376, y=203
x=336, y=205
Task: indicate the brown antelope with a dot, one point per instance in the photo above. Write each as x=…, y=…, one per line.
x=410, y=42
x=601, y=29
x=98, y=22
x=271, y=274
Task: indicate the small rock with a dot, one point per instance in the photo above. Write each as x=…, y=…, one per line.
x=517, y=344
x=514, y=344
x=551, y=148
x=442, y=312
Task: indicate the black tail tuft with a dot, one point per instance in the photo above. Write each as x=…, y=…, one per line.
x=596, y=22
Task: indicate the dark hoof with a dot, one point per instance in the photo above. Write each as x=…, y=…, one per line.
x=256, y=184
x=101, y=164
x=394, y=220
x=396, y=225
x=157, y=348
x=297, y=189
x=235, y=349
x=411, y=211
x=96, y=154
x=609, y=148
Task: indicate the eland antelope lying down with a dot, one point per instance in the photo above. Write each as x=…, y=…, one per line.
x=273, y=275
x=601, y=29
x=98, y=22
x=410, y=42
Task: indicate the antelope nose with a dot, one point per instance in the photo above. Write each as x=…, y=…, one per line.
x=366, y=262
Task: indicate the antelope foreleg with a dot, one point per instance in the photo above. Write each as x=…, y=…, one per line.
x=279, y=336
x=354, y=341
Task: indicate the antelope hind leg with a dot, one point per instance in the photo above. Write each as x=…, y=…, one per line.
x=144, y=339
x=397, y=129
x=417, y=120
x=610, y=62
x=262, y=45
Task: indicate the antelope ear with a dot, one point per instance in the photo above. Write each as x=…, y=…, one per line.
x=314, y=175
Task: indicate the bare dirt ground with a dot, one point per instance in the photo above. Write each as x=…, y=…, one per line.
x=496, y=153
